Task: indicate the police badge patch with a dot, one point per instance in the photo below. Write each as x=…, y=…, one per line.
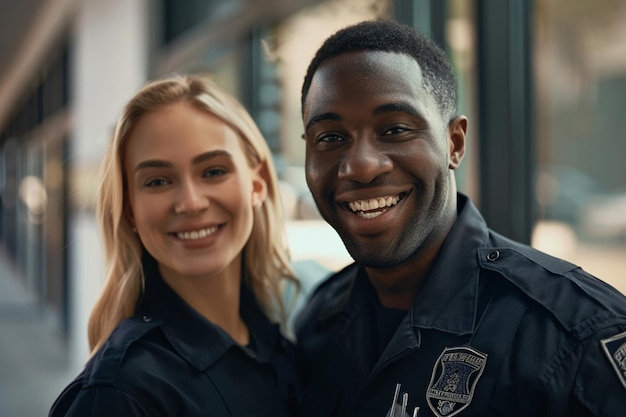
x=453, y=380
x=615, y=349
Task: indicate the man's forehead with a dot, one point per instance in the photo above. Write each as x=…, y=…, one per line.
x=371, y=61
x=392, y=77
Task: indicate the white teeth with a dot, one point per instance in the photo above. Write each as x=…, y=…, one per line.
x=361, y=206
x=197, y=234
x=371, y=215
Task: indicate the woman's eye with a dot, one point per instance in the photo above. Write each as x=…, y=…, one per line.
x=214, y=172
x=156, y=182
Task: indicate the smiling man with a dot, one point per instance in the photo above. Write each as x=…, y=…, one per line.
x=437, y=307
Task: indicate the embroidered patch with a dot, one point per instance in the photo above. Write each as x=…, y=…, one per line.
x=615, y=349
x=453, y=380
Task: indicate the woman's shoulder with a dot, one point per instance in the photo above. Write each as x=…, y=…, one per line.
x=112, y=378
x=128, y=337
x=98, y=401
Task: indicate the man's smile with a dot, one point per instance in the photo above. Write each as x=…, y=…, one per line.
x=373, y=207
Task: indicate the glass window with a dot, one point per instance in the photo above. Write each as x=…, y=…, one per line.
x=179, y=16
x=460, y=34
x=291, y=47
x=580, y=184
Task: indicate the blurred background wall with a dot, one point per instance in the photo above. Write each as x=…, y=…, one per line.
x=543, y=83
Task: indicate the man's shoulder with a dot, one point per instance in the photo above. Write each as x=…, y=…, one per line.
x=327, y=298
x=564, y=290
x=336, y=284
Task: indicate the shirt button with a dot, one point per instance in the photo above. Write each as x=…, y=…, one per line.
x=147, y=319
x=493, y=255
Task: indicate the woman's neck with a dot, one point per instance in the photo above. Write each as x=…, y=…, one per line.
x=216, y=298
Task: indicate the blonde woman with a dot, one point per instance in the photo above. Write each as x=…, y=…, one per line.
x=190, y=213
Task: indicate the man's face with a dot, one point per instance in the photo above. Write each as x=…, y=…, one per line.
x=378, y=155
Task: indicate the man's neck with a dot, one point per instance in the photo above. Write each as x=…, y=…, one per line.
x=397, y=287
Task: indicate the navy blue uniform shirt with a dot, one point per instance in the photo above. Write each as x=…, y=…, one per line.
x=168, y=360
x=497, y=329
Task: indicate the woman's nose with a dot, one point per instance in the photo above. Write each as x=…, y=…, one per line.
x=363, y=162
x=191, y=199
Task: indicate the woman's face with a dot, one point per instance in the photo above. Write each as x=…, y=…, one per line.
x=191, y=191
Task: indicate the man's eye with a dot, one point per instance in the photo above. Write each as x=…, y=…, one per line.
x=395, y=130
x=330, y=138
x=155, y=182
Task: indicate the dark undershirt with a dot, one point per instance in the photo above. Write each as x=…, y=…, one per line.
x=387, y=321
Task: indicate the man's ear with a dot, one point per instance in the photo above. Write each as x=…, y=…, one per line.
x=260, y=178
x=457, y=130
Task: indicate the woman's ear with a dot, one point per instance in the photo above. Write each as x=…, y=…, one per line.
x=457, y=130
x=130, y=217
x=260, y=178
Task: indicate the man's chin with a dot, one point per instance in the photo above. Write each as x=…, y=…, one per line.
x=375, y=260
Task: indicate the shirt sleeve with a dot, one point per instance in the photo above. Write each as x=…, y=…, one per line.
x=98, y=401
x=600, y=384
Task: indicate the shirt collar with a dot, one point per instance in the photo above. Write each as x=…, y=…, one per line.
x=448, y=298
x=195, y=338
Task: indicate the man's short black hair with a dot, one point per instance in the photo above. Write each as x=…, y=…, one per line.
x=391, y=36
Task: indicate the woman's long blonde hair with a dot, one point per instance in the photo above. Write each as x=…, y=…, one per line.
x=266, y=260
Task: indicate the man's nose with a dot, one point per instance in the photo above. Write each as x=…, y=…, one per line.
x=364, y=161
x=191, y=199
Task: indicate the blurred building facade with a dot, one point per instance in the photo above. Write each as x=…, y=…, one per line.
x=542, y=84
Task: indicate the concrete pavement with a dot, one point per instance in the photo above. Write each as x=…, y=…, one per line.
x=33, y=361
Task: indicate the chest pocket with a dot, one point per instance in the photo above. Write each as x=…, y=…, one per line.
x=246, y=389
x=493, y=336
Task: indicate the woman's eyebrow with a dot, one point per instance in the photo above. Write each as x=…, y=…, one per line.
x=152, y=163
x=158, y=163
x=209, y=155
